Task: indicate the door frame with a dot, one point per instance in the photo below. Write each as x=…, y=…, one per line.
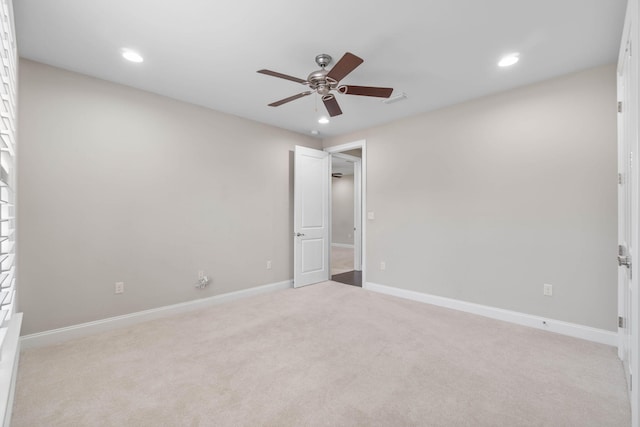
x=335, y=149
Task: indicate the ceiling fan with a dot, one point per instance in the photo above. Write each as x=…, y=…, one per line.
x=323, y=82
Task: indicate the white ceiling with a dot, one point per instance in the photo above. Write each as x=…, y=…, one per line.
x=439, y=52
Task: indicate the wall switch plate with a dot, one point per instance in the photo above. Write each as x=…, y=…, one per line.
x=119, y=288
x=547, y=290
x=200, y=274
x=269, y=265
x=383, y=265
x=371, y=215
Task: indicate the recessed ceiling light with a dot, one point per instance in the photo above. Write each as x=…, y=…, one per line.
x=509, y=60
x=314, y=132
x=323, y=120
x=132, y=56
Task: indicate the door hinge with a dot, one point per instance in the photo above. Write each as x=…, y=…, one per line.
x=619, y=106
x=624, y=259
x=620, y=179
x=620, y=322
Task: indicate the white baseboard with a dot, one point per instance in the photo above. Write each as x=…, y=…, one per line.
x=342, y=245
x=56, y=336
x=565, y=328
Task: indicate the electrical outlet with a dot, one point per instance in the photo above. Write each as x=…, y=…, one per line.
x=269, y=265
x=383, y=265
x=119, y=288
x=200, y=274
x=547, y=290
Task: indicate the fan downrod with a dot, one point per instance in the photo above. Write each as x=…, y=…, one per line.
x=323, y=60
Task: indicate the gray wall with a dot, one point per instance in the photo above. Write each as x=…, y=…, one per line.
x=497, y=196
x=342, y=210
x=116, y=184
x=488, y=200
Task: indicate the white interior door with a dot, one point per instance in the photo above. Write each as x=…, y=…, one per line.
x=628, y=215
x=311, y=216
x=625, y=244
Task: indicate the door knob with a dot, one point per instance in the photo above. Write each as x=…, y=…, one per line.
x=624, y=260
x=298, y=234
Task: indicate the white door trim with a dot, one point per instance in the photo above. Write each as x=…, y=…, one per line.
x=362, y=144
x=357, y=215
x=352, y=159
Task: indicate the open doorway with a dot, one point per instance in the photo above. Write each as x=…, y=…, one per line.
x=346, y=212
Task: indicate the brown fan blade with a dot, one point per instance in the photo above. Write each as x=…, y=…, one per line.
x=289, y=99
x=331, y=103
x=282, y=76
x=380, y=92
x=347, y=64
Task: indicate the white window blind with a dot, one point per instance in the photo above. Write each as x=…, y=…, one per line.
x=10, y=321
x=8, y=86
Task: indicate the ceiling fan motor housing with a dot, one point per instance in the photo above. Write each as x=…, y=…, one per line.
x=318, y=81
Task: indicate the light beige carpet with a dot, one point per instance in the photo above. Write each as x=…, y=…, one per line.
x=341, y=260
x=323, y=355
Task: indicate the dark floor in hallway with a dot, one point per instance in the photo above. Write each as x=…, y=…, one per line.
x=353, y=278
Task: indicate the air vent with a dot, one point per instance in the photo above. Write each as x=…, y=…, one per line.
x=399, y=97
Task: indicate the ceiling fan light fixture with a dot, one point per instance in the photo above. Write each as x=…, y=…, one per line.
x=509, y=60
x=323, y=120
x=323, y=90
x=132, y=56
